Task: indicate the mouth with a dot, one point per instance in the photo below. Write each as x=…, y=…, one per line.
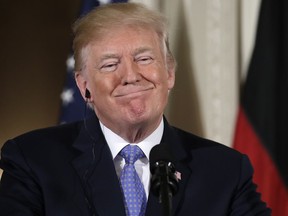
x=133, y=91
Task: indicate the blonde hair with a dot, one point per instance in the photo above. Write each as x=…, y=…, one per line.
x=102, y=19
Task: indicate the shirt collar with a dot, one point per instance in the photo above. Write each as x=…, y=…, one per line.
x=116, y=143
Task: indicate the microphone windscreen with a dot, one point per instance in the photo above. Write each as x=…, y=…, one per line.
x=160, y=153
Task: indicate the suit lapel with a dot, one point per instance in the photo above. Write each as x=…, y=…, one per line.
x=182, y=165
x=105, y=186
x=95, y=167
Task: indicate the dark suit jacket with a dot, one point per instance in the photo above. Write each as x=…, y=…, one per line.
x=68, y=170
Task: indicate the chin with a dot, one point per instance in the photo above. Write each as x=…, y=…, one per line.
x=143, y=118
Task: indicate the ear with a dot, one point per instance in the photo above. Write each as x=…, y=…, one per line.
x=171, y=67
x=81, y=82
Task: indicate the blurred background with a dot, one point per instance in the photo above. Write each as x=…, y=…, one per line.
x=211, y=40
x=35, y=42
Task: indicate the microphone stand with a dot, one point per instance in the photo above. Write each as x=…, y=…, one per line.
x=165, y=194
x=164, y=183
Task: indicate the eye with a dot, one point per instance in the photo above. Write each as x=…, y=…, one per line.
x=144, y=60
x=109, y=67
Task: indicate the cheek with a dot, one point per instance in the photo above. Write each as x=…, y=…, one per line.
x=157, y=75
x=103, y=83
x=162, y=79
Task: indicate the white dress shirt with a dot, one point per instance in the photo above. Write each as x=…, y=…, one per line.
x=116, y=143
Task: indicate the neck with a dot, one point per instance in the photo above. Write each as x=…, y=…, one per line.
x=134, y=133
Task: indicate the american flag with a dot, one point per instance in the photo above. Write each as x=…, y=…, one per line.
x=73, y=105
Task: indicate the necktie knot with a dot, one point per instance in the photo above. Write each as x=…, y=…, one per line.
x=131, y=153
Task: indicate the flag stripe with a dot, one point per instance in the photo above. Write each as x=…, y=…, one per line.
x=266, y=174
x=262, y=131
x=265, y=94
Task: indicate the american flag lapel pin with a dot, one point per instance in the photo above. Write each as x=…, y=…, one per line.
x=178, y=175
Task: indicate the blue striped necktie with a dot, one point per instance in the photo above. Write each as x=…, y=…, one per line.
x=132, y=187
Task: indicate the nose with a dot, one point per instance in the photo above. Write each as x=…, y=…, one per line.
x=130, y=73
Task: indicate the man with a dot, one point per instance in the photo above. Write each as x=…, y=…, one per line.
x=124, y=70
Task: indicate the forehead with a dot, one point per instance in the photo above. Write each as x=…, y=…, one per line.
x=126, y=39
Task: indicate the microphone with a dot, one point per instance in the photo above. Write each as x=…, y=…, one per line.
x=164, y=183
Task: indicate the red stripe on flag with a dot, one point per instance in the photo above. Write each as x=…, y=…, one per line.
x=266, y=175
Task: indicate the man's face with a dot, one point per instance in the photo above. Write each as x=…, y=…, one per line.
x=128, y=78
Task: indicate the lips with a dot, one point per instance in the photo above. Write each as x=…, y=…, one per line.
x=132, y=90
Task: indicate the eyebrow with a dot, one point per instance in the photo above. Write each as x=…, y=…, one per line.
x=108, y=56
x=134, y=53
x=142, y=50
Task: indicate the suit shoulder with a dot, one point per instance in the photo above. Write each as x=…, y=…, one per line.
x=192, y=142
x=65, y=133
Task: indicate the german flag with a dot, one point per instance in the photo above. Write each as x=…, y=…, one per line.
x=262, y=124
